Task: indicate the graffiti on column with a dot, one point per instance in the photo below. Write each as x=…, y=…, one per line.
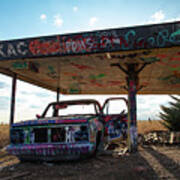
x=133, y=121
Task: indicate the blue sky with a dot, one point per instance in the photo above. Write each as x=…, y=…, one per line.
x=23, y=18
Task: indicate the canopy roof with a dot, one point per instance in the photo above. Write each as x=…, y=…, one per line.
x=80, y=63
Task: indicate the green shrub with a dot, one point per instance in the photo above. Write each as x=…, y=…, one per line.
x=171, y=115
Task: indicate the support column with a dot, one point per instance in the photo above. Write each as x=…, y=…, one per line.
x=132, y=84
x=13, y=98
x=58, y=89
x=132, y=70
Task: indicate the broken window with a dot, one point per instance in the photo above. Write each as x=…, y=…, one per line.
x=70, y=134
x=58, y=134
x=17, y=136
x=81, y=134
x=41, y=135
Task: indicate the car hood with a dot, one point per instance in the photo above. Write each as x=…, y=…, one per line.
x=57, y=120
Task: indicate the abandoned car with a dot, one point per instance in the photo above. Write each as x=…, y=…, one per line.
x=66, y=130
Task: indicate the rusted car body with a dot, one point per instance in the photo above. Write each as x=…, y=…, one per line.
x=66, y=130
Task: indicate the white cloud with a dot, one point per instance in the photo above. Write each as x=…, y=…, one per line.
x=31, y=100
x=158, y=16
x=43, y=17
x=26, y=104
x=58, y=21
x=93, y=21
x=148, y=106
x=173, y=19
x=75, y=8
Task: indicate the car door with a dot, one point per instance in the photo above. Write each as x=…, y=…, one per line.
x=114, y=113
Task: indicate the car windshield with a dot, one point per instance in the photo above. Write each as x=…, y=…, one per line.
x=66, y=109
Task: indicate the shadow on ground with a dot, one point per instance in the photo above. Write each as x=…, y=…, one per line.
x=168, y=163
x=106, y=167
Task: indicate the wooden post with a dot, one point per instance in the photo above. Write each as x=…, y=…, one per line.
x=13, y=98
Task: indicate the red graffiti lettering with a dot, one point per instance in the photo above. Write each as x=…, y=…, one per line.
x=161, y=55
x=81, y=67
x=177, y=74
x=70, y=74
x=140, y=43
x=96, y=83
x=174, y=65
x=106, y=42
x=91, y=44
x=175, y=59
x=38, y=47
x=123, y=42
x=114, y=83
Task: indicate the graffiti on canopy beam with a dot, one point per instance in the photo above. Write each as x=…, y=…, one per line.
x=156, y=36
x=52, y=72
x=129, y=55
x=81, y=67
x=103, y=40
x=74, y=88
x=20, y=65
x=172, y=80
x=115, y=83
x=173, y=64
x=96, y=80
x=150, y=59
x=80, y=79
x=96, y=77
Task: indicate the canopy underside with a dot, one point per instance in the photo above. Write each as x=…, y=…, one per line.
x=81, y=63
x=94, y=73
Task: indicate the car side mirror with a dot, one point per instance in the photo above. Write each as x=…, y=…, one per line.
x=38, y=116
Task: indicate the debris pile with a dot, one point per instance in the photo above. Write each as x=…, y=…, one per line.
x=159, y=137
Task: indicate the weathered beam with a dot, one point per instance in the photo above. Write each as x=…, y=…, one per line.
x=112, y=40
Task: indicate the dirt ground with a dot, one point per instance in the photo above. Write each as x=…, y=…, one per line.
x=150, y=162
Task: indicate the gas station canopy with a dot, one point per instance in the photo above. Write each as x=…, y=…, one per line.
x=87, y=63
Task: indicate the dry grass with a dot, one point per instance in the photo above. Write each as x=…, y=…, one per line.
x=143, y=127
x=4, y=135
x=147, y=126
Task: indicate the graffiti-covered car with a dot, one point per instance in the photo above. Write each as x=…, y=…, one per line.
x=115, y=118
x=66, y=130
